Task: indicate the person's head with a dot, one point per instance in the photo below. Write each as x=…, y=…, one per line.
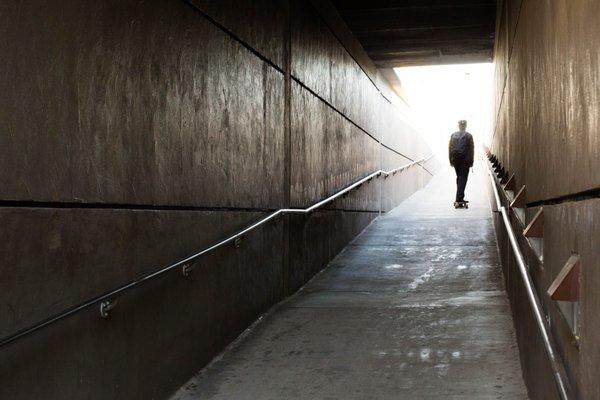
x=462, y=124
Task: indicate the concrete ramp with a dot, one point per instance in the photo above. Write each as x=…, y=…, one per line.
x=413, y=308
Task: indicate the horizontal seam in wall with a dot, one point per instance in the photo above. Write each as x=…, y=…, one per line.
x=395, y=151
x=352, y=55
x=233, y=36
x=272, y=64
x=361, y=68
x=426, y=170
x=311, y=91
x=590, y=194
x=346, y=210
x=120, y=206
x=318, y=96
x=146, y=207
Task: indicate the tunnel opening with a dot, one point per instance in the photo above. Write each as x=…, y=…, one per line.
x=254, y=197
x=441, y=95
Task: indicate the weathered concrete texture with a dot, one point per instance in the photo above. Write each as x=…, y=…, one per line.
x=159, y=333
x=148, y=103
x=578, y=233
x=312, y=45
x=413, y=308
x=317, y=238
x=262, y=24
x=328, y=153
x=550, y=109
x=321, y=63
x=537, y=370
x=576, y=229
x=185, y=109
x=56, y=258
x=399, y=135
x=190, y=318
x=398, y=187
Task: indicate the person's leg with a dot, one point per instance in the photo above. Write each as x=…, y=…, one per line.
x=457, y=170
x=462, y=176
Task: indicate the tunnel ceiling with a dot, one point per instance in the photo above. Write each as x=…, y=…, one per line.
x=421, y=32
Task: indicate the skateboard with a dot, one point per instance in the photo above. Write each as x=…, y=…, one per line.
x=461, y=204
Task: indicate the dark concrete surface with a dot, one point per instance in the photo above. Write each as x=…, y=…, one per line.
x=135, y=103
x=407, y=32
x=569, y=227
x=547, y=136
x=133, y=134
x=413, y=308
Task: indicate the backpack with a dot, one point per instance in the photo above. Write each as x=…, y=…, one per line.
x=459, y=145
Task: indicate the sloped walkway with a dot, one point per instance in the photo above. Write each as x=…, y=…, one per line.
x=413, y=308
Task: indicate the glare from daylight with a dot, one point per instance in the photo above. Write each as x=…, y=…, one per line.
x=441, y=95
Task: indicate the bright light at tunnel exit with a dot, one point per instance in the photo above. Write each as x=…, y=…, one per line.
x=441, y=95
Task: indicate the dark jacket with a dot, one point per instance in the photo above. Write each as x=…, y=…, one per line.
x=461, y=149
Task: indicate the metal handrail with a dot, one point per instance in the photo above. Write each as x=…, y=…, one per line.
x=560, y=374
x=106, y=300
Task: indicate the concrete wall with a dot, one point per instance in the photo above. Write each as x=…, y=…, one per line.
x=135, y=133
x=548, y=119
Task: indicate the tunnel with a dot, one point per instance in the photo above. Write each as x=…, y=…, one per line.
x=233, y=199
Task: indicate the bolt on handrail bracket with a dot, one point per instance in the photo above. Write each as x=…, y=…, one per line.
x=108, y=300
x=558, y=369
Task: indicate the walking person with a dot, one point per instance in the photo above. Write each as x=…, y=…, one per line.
x=461, y=154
